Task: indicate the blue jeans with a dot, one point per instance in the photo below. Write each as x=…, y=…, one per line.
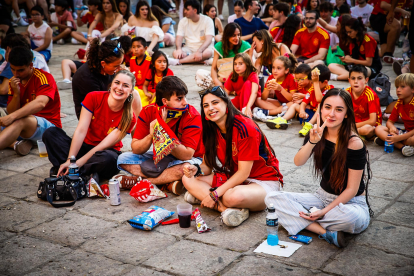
x=42, y=125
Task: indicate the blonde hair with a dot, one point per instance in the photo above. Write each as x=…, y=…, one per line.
x=407, y=79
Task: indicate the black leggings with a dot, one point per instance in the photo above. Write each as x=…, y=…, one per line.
x=58, y=145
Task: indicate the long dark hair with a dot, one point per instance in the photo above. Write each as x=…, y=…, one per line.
x=268, y=45
x=227, y=34
x=348, y=128
x=127, y=12
x=356, y=24
x=154, y=58
x=266, y=11
x=114, y=10
x=207, y=8
x=150, y=16
x=291, y=26
x=210, y=135
x=107, y=51
x=158, y=13
x=343, y=37
x=308, y=5
x=249, y=67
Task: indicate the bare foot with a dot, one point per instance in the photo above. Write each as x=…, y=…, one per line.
x=62, y=115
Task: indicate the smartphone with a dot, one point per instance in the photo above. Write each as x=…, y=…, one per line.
x=339, y=56
x=301, y=238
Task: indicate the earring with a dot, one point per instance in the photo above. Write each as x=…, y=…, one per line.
x=227, y=110
x=129, y=99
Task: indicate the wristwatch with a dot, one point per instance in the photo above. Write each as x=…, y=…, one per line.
x=199, y=171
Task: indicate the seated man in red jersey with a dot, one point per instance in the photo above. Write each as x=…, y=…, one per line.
x=311, y=44
x=33, y=105
x=182, y=119
x=367, y=108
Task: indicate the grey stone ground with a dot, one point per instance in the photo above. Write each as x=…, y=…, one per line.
x=94, y=238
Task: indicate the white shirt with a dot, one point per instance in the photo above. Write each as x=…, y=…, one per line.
x=37, y=35
x=195, y=33
x=334, y=38
x=364, y=12
x=231, y=18
x=39, y=61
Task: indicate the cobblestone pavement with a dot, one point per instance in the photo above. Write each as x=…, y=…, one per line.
x=93, y=237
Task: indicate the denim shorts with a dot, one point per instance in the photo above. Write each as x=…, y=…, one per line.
x=310, y=112
x=129, y=158
x=42, y=125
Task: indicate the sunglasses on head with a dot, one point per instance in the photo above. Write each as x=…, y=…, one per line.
x=117, y=48
x=213, y=90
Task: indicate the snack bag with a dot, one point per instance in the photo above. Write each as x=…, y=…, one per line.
x=200, y=223
x=145, y=191
x=150, y=218
x=94, y=189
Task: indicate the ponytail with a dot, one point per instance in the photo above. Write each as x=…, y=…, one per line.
x=289, y=61
x=107, y=51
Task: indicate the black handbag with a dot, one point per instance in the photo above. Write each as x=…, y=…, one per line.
x=63, y=188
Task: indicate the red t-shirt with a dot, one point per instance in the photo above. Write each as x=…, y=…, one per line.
x=402, y=4
x=189, y=130
x=140, y=70
x=88, y=18
x=249, y=145
x=41, y=83
x=310, y=43
x=289, y=84
x=366, y=104
x=310, y=97
x=238, y=85
x=405, y=112
x=104, y=120
x=157, y=79
x=367, y=47
x=274, y=32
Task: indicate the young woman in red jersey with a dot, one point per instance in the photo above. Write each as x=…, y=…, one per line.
x=248, y=168
x=105, y=119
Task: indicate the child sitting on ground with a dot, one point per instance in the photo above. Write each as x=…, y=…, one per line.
x=281, y=84
x=40, y=33
x=404, y=108
x=158, y=70
x=140, y=62
x=367, y=108
x=88, y=18
x=308, y=107
x=63, y=20
x=244, y=81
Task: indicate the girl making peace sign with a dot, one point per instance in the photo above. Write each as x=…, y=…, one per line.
x=342, y=200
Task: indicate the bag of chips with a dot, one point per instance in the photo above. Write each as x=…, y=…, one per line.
x=150, y=218
x=145, y=191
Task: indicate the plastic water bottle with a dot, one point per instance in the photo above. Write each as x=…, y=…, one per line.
x=73, y=167
x=272, y=225
x=388, y=148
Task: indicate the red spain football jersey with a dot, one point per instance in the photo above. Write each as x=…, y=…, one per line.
x=310, y=43
x=289, y=84
x=405, y=112
x=310, y=97
x=189, y=130
x=140, y=70
x=249, y=144
x=88, y=18
x=157, y=79
x=367, y=47
x=367, y=103
x=104, y=120
x=41, y=83
x=275, y=31
x=238, y=85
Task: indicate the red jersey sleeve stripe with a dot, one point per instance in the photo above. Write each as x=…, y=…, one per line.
x=139, y=117
x=86, y=108
x=193, y=126
x=241, y=127
x=41, y=76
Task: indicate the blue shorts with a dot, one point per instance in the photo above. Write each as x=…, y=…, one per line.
x=129, y=158
x=42, y=125
x=46, y=53
x=310, y=112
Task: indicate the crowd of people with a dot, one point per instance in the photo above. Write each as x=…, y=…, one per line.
x=275, y=58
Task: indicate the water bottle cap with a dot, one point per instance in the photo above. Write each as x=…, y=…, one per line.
x=271, y=208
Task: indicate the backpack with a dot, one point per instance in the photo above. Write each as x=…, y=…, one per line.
x=381, y=85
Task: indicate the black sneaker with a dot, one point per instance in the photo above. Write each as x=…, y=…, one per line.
x=396, y=66
x=379, y=142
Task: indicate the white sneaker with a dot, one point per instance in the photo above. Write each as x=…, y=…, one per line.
x=208, y=61
x=20, y=21
x=221, y=17
x=60, y=42
x=234, y=217
x=407, y=151
x=334, y=77
x=173, y=61
x=64, y=84
x=75, y=42
x=191, y=199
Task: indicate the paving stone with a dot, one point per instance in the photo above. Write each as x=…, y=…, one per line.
x=129, y=245
x=284, y=153
x=378, y=204
x=42, y=171
x=7, y=173
x=382, y=169
x=397, y=157
x=72, y=229
x=386, y=188
x=5, y=200
x=194, y=259
x=20, y=185
x=82, y=263
x=23, y=215
x=287, y=168
x=142, y=271
x=408, y=196
x=250, y=265
x=21, y=254
x=369, y=261
x=400, y=213
x=6, y=153
x=23, y=163
x=388, y=237
x=6, y=235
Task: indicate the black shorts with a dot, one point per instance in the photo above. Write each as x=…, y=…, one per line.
x=378, y=22
x=78, y=64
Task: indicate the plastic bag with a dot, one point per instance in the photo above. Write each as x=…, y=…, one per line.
x=145, y=191
x=331, y=58
x=150, y=218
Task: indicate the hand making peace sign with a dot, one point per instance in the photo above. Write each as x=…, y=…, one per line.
x=316, y=133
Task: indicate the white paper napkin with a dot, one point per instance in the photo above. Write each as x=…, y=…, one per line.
x=277, y=250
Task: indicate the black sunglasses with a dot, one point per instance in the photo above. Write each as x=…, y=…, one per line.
x=212, y=90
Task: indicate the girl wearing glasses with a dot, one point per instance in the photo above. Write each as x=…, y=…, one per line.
x=248, y=168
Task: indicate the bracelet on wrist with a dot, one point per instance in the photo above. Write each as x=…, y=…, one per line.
x=311, y=142
x=199, y=171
